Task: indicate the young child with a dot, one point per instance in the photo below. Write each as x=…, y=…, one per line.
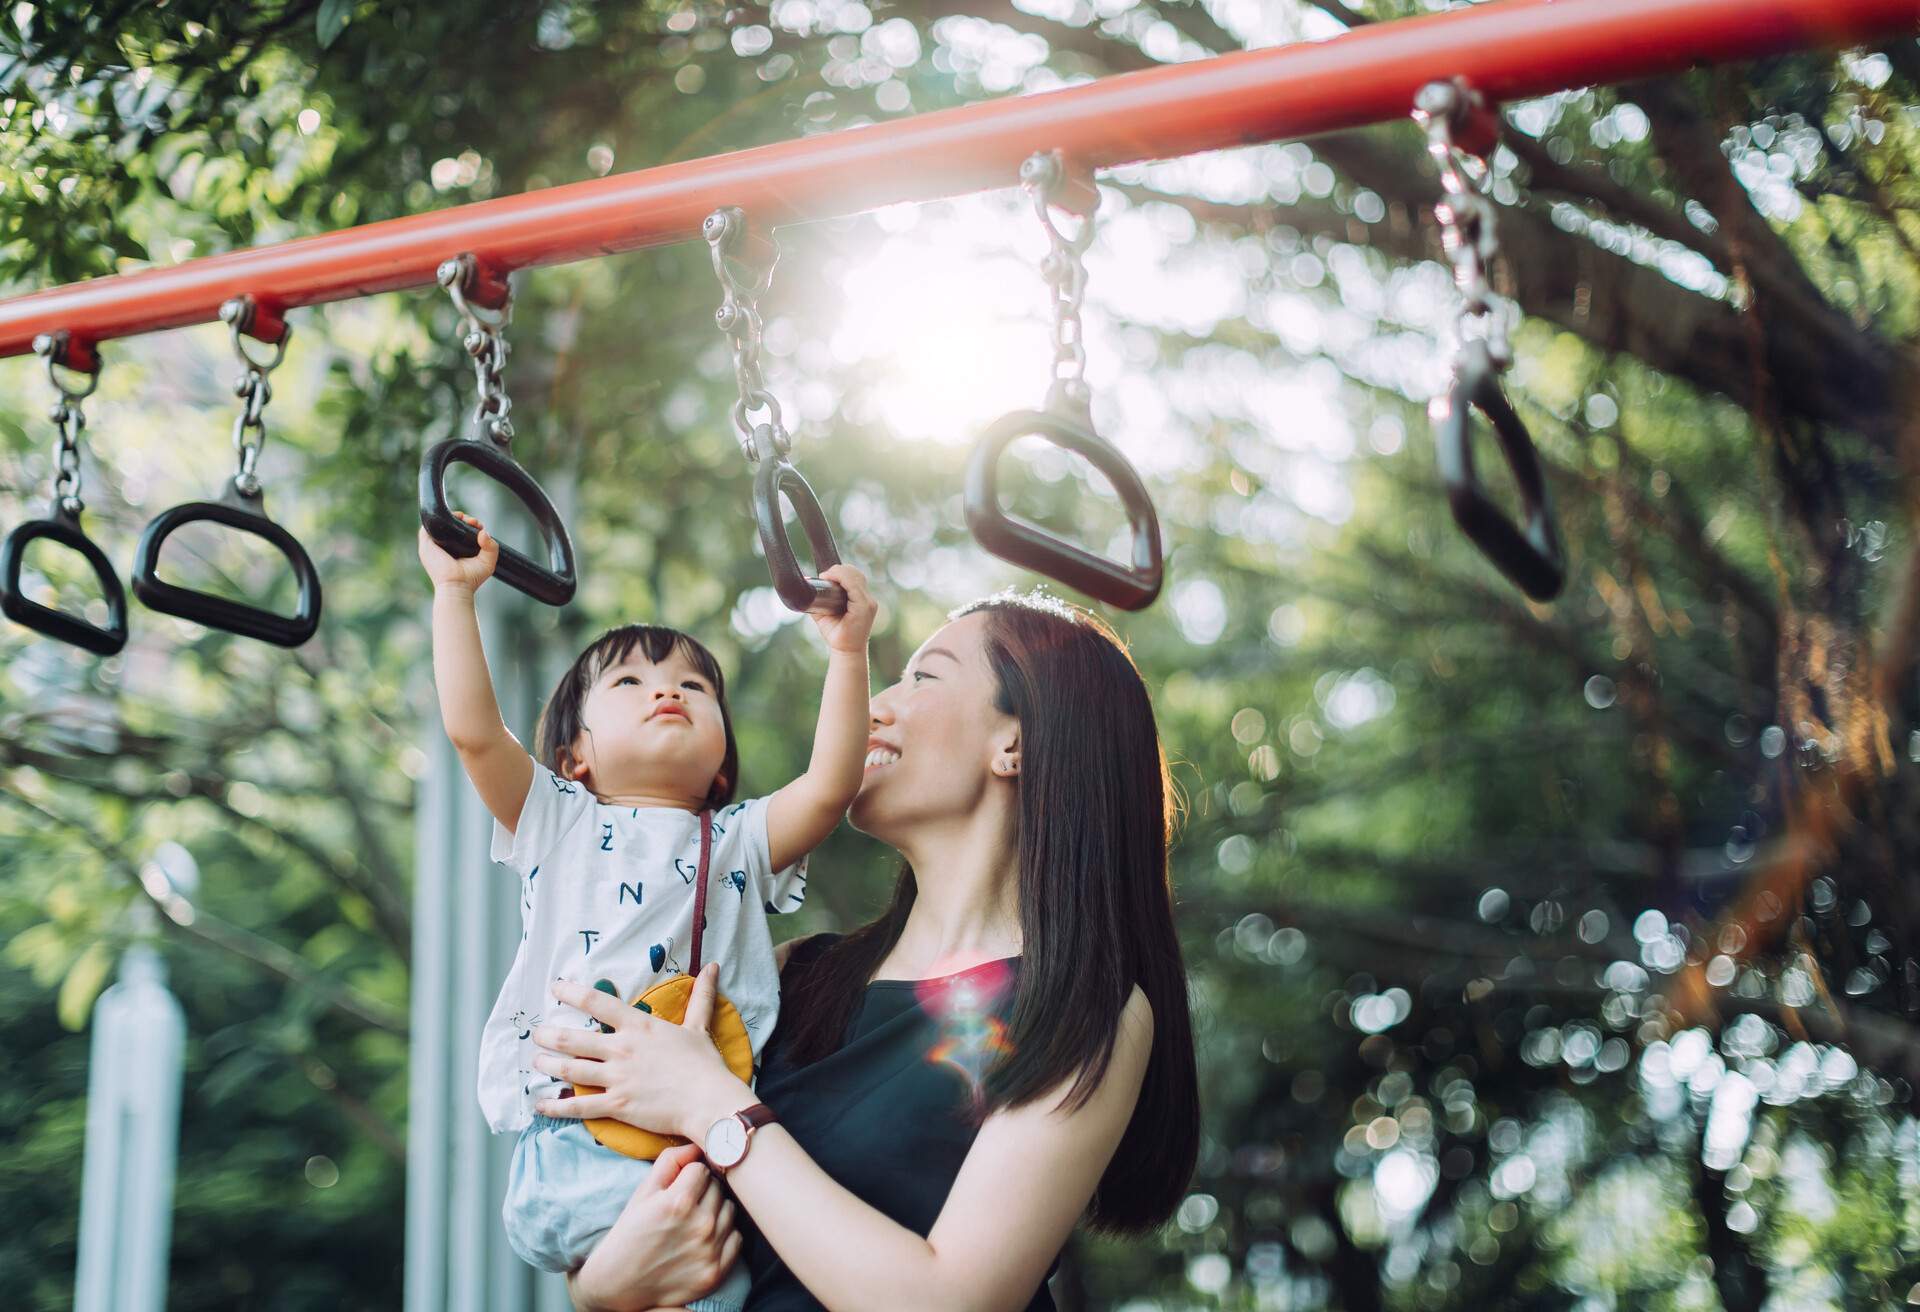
x=635, y=745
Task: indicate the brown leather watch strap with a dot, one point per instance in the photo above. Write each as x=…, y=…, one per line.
x=752, y=1118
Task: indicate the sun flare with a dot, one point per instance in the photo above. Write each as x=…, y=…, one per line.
x=950, y=320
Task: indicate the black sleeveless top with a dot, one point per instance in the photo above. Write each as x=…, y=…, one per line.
x=887, y=1116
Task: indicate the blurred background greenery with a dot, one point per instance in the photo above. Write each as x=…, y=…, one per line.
x=1542, y=956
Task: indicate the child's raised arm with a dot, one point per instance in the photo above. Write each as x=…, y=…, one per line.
x=499, y=766
x=803, y=813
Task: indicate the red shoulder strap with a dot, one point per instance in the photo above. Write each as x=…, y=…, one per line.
x=700, y=888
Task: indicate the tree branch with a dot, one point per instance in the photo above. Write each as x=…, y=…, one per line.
x=244, y=943
x=393, y=922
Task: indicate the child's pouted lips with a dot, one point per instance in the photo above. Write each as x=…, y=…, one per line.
x=670, y=708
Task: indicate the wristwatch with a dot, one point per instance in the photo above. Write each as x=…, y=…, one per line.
x=729, y=1136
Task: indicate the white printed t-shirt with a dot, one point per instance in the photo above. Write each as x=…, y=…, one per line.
x=606, y=892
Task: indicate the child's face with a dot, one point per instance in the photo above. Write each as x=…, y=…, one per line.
x=651, y=729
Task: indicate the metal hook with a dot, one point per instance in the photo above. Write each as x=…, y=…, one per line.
x=64, y=350
x=243, y=315
x=466, y=280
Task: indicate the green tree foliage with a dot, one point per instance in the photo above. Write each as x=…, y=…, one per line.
x=1543, y=956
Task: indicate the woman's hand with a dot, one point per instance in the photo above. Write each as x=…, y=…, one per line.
x=653, y=1074
x=671, y=1244
x=450, y=571
x=847, y=631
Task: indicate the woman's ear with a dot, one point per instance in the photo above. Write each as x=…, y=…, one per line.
x=1006, y=755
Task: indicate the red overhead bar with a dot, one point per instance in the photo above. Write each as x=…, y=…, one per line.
x=1509, y=50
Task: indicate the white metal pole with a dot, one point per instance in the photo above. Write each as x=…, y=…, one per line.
x=133, y=1127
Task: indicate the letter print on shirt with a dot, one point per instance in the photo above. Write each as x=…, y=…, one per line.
x=606, y=836
x=621, y=928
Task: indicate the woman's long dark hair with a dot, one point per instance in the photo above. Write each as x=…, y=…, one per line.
x=560, y=722
x=1096, y=905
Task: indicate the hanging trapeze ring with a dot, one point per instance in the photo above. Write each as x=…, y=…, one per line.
x=65, y=529
x=1132, y=586
x=236, y=509
x=743, y=262
x=799, y=590
x=242, y=505
x=1459, y=123
x=555, y=582
x=468, y=279
x=1067, y=422
x=62, y=525
x=1531, y=555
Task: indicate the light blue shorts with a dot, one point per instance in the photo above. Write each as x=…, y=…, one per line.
x=565, y=1189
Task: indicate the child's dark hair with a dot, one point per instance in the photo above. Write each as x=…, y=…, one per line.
x=560, y=724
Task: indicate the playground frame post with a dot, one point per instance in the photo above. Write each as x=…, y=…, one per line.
x=1508, y=50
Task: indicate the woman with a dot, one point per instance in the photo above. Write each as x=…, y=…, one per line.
x=936, y=1142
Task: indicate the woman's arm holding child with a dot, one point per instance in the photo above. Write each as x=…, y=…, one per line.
x=1024, y=1184
x=499, y=766
x=803, y=813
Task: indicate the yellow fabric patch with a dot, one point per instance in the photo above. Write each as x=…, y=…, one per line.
x=668, y=1000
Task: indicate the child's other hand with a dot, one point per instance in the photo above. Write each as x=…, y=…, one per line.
x=847, y=631
x=450, y=571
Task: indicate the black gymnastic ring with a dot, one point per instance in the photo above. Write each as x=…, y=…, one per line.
x=799, y=590
x=236, y=509
x=62, y=526
x=1531, y=556
x=555, y=583
x=1132, y=586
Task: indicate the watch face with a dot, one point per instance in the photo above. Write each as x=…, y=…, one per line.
x=726, y=1142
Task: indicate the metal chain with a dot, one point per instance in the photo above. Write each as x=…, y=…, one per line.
x=69, y=424
x=250, y=425
x=739, y=318
x=1466, y=214
x=486, y=343
x=1042, y=176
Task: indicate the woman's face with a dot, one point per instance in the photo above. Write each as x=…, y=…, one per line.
x=936, y=736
